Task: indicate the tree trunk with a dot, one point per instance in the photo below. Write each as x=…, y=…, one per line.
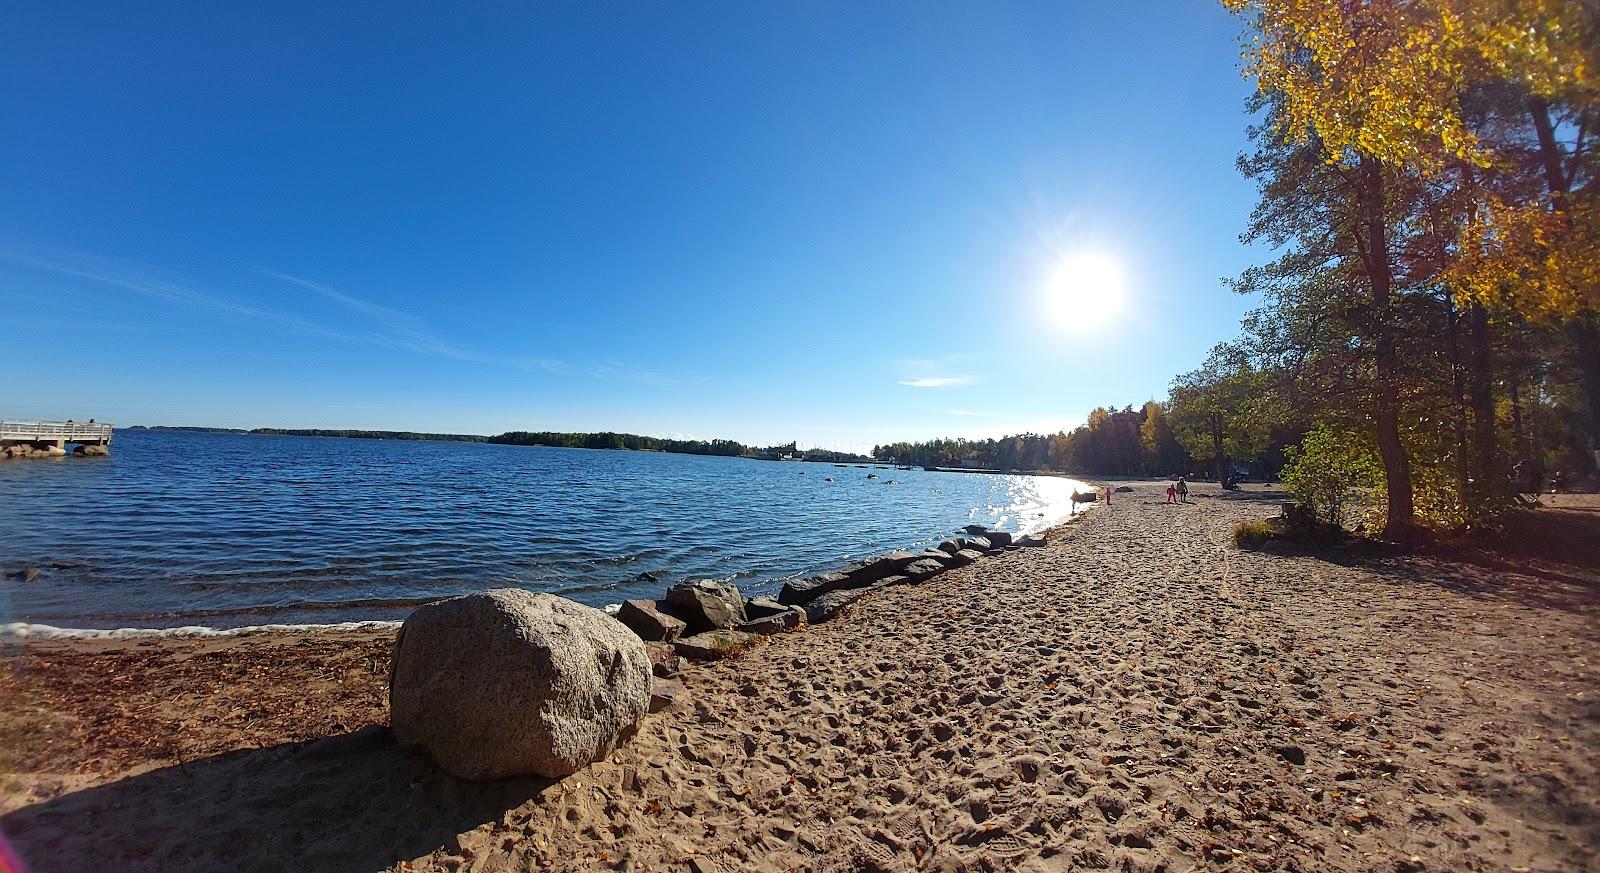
x=1585, y=331
x=1216, y=450
x=1458, y=396
x=1485, y=454
x=1401, y=522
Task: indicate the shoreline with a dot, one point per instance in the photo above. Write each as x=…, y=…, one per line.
x=1135, y=694
x=16, y=631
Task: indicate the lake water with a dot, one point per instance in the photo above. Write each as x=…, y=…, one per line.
x=230, y=530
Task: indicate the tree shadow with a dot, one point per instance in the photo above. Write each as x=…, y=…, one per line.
x=352, y=803
x=1543, y=558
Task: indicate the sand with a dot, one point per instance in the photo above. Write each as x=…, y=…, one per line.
x=1138, y=695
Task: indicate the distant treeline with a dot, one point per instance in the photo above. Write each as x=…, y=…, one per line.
x=605, y=440
x=1154, y=439
x=638, y=443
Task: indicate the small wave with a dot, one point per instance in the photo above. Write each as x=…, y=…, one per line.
x=18, y=630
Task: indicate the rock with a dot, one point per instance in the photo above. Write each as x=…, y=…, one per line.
x=705, y=605
x=713, y=645
x=664, y=661
x=828, y=605
x=979, y=544
x=1293, y=754
x=768, y=616
x=1032, y=541
x=945, y=558
x=800, y=591
x=888, y=582
x=952, y=546
x=54, y=451
x=89, y=450
x=643, y=618
x=873, y=569
x=651, y=576
x=509, y=682
x=664, y=693
x=977, y=530
x=969, y=555
x=924, y=569
x=998, y=538
x=1124, y=489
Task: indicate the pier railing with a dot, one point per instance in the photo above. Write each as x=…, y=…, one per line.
x=66, y=431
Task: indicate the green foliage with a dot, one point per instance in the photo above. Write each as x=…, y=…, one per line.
x=1330, y=472
x=1251, y=534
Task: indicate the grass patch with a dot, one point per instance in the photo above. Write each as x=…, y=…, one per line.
x=1252, y=534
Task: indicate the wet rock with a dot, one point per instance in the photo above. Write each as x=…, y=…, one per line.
x=645, y=619
x=705, y=604
x=976, y=529
x=998, y=538
x=509, y=682
x=1032, y=541
x=979, y=544
x=713, y=645
x=87, y=450
x=952, y=546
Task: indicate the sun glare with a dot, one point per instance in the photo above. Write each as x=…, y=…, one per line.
x=1085, y=293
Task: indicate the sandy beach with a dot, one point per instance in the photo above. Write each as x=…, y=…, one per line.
x=1137, y=695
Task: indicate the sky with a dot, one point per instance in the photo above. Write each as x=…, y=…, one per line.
x=837, y=223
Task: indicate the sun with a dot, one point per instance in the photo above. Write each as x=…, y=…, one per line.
x=1085, y=293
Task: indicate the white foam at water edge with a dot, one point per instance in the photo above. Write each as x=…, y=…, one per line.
x=19, y=630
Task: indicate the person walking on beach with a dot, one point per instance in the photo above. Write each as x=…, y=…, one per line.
x=1108, y=495
x=1183, y=490
x=1172, y=494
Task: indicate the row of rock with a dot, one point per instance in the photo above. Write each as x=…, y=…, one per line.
x=706, y=620
x=51, y=450
x=509, y=682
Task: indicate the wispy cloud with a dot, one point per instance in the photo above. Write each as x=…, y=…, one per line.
x=939, y=381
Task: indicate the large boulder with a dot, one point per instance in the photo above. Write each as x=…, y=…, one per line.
x=706, y=605
x=998, y=538
x=509, y=682
x=651, y=624
x=979, y=544
x=952, y=545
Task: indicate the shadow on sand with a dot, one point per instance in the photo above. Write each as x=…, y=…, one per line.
x=353, y=803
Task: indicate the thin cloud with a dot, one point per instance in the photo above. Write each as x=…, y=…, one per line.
x=939, y=381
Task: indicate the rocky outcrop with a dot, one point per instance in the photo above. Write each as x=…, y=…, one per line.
x=998, y=538
x=649, y=622
x=705, y=605
x=90, y=450
x=508, y=682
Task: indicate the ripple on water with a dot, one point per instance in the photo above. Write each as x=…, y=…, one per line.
x=229, y=530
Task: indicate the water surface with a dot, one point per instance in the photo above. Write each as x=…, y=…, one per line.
x=229, y=530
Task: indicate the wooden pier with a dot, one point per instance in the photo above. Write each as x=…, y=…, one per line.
x=35, y=439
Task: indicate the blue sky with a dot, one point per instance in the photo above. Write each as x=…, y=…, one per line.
x=835, y=223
